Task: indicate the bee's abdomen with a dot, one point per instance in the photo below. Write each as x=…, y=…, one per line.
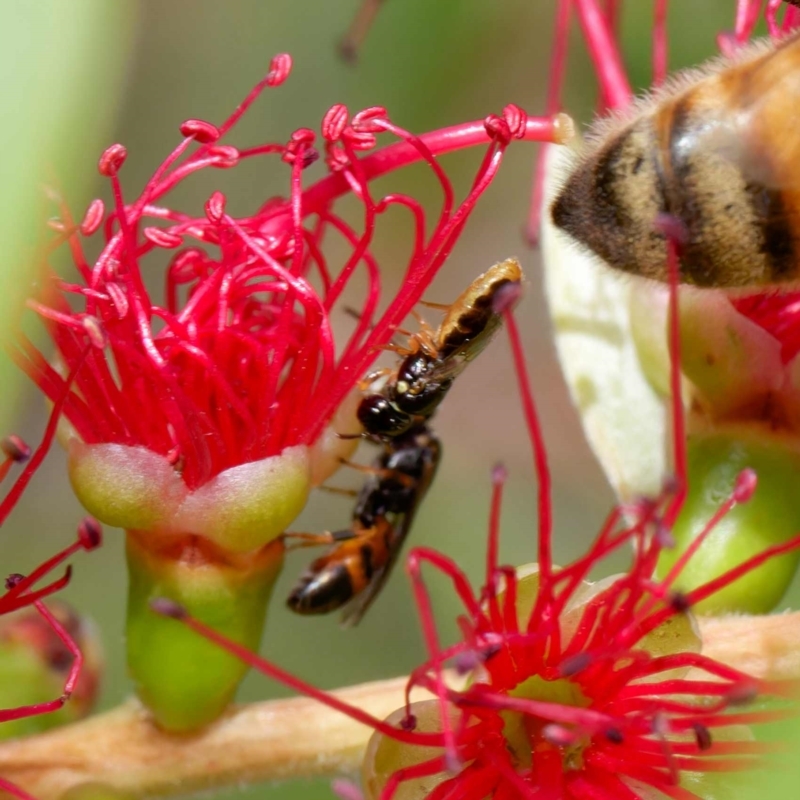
x=330, y=582
x=323, y=591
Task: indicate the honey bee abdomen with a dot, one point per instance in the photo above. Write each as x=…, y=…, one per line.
x=706, y=190
x=610, y=202
x=721, y=155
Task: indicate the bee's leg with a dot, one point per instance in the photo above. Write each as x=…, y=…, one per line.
x=401, y=350
x=381, y=472
x=350, y=311
x=425, y=340
x=435, y=306
x=337, y=490
x=294, y=540
x=365, y=468
x=349, y=436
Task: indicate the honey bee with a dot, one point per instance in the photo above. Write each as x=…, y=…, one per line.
x=363, y=555
x=435, y=358
x=719, y=151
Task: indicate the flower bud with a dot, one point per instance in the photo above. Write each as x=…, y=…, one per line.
x=215, y=550
x=385, y=756
x=35, y=662
x=771, y=516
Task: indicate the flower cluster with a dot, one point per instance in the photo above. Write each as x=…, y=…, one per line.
x=564, y=688
x=200, y=421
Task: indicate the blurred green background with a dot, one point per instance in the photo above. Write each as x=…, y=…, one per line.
x=79, y=75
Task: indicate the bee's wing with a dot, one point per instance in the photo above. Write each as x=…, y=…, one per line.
x=452, y=366
x=356, y=609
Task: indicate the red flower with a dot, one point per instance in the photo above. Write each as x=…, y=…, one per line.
x=199, y=421
x=238, y=361
x=577, y=689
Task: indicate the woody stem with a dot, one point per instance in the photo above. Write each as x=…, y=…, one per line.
x=281, y=739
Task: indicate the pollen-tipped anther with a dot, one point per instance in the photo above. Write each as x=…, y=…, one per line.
x=90, y=533
x=559, y=736
x=499, y=474
x=369, y=120
x=745, y=486
x=506, y=297
x=574, y=665
x=112, y=159
x=223, y=156
x=95, y=331
x=673, y=228
x=408, y=722
x=93, y=218
x=515, y=118
x=200, y=130
x=497, y=128
x=15, y=448
x=334, y=122
x=161, y=238
x=215, y=207
x=13, y=579
x=702, y=736
x=563, y=128
x=279, y=69
x=679, y=602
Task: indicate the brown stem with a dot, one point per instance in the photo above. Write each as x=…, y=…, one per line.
x=272, y=740
x=281, y=739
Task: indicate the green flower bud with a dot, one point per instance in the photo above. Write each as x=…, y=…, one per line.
x=34, y=664
x=770, y=517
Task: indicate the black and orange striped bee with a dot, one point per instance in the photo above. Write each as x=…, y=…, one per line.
x=433, y=359
x=364, y=554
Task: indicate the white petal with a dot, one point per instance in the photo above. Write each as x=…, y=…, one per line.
x=625, y=420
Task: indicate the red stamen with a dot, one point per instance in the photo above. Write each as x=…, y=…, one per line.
x=14, y=790
x=660, y=46
x=555, y=85
x=605, y=54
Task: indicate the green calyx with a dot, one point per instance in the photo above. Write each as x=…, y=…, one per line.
x=240, y=509
x=215, y=549
x=770, y=517
x=184, y=680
